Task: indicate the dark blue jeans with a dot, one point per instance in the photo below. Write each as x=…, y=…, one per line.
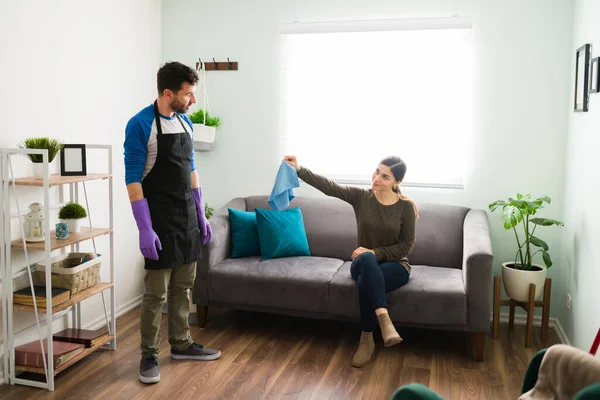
x=375, y=279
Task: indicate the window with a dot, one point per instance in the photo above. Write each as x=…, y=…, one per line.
x=355, y=93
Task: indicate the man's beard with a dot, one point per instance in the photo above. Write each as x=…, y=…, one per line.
x=179, y=107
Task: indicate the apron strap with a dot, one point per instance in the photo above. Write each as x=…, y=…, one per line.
x=181, y=122
x=157, y=119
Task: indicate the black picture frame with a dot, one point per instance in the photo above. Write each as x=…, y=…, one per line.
x=582, y=77
x=73, y=160
x=595, y=75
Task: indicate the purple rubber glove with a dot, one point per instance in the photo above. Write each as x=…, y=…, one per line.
x=149, y=241
x=205, y=230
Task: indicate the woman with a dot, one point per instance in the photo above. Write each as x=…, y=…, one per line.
x=386, y=234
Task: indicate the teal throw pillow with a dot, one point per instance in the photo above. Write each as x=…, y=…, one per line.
x=244, y=233
x=281, y=233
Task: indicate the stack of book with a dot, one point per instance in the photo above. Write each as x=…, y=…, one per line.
x=67, y=344
x=30, y=354
x=82, y=336
x=25, y=297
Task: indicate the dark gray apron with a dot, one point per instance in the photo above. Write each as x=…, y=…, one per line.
x=168, y=189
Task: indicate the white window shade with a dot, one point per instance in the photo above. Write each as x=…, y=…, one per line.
x=353, y=98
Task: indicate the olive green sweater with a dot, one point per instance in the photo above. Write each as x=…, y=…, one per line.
x=388, y=230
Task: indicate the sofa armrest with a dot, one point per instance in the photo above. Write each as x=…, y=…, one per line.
x=216, y=251
x=477, y=269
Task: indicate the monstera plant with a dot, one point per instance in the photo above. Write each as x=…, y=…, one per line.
x=518, y=215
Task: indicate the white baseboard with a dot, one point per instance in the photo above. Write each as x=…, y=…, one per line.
x=122, y=309
x=553, y=323
x=561, y=333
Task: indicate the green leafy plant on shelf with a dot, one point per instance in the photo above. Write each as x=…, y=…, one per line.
x=197, y=117
x=519, y=211
x=72, y=211
x=42, y=143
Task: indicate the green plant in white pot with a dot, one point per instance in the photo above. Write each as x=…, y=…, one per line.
x=517, y=275
x=72, y=214
x=205, y=127
x=53, y=146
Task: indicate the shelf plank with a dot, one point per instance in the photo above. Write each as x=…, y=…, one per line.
x=76, y=298
x=72, y=361
x=57, y=179
x=84, y=234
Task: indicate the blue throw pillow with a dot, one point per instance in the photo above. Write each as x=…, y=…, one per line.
x=244, y=233
x=281, y=233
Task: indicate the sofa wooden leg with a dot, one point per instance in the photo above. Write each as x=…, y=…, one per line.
x=202, y=311
x=496, y=319
x=478, y=344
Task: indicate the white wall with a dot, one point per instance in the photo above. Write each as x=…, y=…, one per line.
x=78, y=71
x=581, y=263
x=523, y=63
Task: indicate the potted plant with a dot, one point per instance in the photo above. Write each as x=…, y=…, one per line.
x=41, y=143
x=72, y=214
x=517, y=275
x=205, y=127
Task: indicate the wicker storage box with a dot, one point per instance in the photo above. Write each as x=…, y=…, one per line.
x=68, y=272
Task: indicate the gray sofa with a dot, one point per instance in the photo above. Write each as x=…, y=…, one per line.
x=450, y=286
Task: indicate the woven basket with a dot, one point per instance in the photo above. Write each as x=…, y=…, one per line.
x=68, y=272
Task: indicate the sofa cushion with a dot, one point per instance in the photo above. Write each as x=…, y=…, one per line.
x=299, y=283
x=281, y=233
x=433, y=295
x=439, y=236
x=244, y=233
x=329, y=222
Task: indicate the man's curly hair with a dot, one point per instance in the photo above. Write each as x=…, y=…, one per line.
x=172, y=75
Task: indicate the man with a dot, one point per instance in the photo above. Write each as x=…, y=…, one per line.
x=168, y=207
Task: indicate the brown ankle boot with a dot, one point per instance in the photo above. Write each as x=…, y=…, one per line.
x=365, y=350
x=388, y=331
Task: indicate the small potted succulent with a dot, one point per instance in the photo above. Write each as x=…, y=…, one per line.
x=205, y=127
x=72, y=214
x=53, y=146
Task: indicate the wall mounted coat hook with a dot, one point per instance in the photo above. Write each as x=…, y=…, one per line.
x=221, y=65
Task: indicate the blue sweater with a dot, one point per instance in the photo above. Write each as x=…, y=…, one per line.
x=140, y=147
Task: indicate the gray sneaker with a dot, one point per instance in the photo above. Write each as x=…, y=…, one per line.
x=149, y=372
x=195, y=352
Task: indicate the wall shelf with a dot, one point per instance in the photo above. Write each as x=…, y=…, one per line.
x=85, y=233
x=56, y=180
x=76, y=298
x=61, y=368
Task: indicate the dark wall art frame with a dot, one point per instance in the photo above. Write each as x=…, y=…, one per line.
x=73, y=160
x=595, y=75
x=582, y=78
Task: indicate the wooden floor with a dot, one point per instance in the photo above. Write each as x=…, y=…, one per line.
x=275, y=357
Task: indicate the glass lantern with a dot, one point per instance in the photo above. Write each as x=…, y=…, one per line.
x=34, y=224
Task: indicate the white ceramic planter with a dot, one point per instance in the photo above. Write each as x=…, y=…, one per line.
x=38, y=169
x=516, y=282
x=74, y=224
x=204, y=137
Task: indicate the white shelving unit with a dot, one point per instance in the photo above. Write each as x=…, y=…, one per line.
x=10, y=271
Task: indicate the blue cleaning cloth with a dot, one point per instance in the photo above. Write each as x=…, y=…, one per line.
x=285, y=181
